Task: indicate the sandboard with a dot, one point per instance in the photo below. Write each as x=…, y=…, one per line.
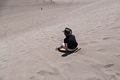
x=78, y=49
x=75, y=51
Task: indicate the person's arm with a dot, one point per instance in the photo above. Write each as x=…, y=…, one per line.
x=65, y=46
x=65, y=43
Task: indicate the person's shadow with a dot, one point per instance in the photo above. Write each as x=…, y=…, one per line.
x=66, y=53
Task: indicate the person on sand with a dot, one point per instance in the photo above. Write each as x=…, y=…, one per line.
x=70, y=44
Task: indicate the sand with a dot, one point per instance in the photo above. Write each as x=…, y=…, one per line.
x=29, y=36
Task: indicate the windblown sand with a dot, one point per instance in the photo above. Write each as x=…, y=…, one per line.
x=29, y=35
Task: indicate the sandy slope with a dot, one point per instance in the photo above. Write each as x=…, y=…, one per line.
x=28, y=40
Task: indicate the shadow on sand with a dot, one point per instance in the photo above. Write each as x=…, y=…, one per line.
x=66, y=53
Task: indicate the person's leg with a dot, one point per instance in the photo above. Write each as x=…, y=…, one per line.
x=72, y=50
x=62, y=48
x=68, y=52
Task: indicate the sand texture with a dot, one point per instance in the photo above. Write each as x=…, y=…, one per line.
x=30, y=30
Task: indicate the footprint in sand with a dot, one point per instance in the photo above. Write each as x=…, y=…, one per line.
x=43, y=72
x=108, y=65
x=52, y=72
x=46, y=73
x=32, y=78
x=101, y=50
x=98, y=26
x=106, y=38
x=118, y=56
x=116, y=28
x=118, y=74
x=113, y=77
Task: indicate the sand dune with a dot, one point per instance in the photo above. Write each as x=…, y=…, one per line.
x=28, y=38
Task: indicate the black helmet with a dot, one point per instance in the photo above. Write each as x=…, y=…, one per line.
x=67, y=31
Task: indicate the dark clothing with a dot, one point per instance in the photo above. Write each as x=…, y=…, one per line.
x=71, y=42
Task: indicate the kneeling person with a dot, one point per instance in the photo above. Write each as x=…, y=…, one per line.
x=70, y=44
